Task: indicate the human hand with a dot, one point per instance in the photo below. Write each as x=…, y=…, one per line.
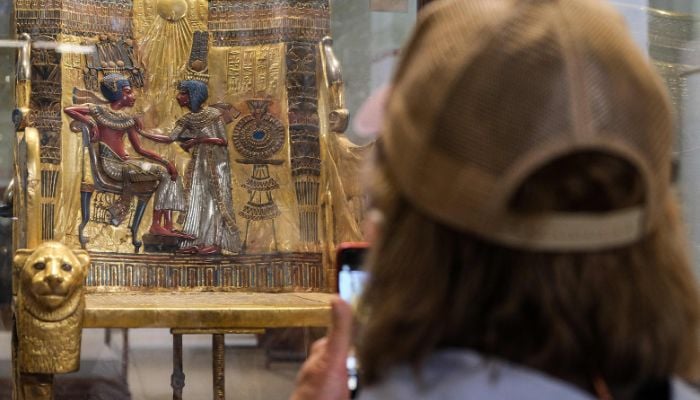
x=217, y=141
x=324, y=375
x=94, y=133
x=187, y=145
x=171, y=170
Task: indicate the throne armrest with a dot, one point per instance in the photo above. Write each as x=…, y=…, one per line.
x=339, y=115
x=27, y=190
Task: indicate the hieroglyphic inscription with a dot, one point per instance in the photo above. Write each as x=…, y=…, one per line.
x=254, y=72
x=73, y=17
x=72, y=60
x=41, y=17
x=94, y=17
x=247, y=68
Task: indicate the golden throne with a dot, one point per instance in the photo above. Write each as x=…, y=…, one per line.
x=272, y=61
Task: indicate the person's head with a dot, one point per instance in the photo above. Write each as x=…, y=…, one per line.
x=192, y=94
x=527, y=211
x=116, y=88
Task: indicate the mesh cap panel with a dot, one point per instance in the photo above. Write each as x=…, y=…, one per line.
x=487, y=121
x=491, y=90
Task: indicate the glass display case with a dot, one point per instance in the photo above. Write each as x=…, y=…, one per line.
x=668, y=32
x=195, y=163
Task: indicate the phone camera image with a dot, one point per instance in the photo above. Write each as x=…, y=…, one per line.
x=351, y=281
x=350, y=284
x=351, y=275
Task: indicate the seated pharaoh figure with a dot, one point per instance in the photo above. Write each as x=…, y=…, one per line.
x=108, y=126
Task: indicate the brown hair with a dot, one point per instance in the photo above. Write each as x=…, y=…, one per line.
x=628, y=314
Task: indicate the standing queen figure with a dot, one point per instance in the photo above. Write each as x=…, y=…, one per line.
x=210, y=216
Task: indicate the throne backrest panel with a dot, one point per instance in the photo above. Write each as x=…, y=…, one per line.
x=264, y=59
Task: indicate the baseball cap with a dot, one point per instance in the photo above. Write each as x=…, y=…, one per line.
x=489, y=91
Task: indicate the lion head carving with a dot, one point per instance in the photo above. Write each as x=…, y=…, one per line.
x=51, y=279
x=50, y=304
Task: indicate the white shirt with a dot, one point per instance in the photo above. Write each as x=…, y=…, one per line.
x=465, y=375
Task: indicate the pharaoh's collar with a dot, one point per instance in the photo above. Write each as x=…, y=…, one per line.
x=105, y=116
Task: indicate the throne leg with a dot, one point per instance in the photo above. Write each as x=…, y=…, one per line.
x=36, y=386
x=218, y=365
x=15, y=367
x=177, y=379
x=85, y=216
x=138, y=216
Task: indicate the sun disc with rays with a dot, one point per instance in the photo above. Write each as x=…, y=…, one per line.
x=164, y=49
x=172, y=10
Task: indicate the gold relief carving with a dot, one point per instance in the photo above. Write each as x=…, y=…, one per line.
x=50, y=304
x=164, y=40
x=338, y=117
x=33, y=187
x=72, y=60
x=88, y=18
x=257, y=22
x=38, y=16
x=247, y=71
x=234, y=71
x=172, y=10
x=258, y=272
x=261, y=69
x=254, y=71
x=144, y=13
x=274, y=73
x=264, y=72
x=203, y=10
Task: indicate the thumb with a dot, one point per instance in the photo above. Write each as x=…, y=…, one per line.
x=340, y=332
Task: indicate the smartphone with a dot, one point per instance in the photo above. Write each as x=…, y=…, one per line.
x=351, y=281
x=351, y=276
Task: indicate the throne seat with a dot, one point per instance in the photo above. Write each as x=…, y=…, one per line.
x=208, y=310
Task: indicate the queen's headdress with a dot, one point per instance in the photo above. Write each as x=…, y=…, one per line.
x=197, y=68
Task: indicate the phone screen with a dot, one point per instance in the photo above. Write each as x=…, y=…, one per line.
x=351, y=276
x=351, y=282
